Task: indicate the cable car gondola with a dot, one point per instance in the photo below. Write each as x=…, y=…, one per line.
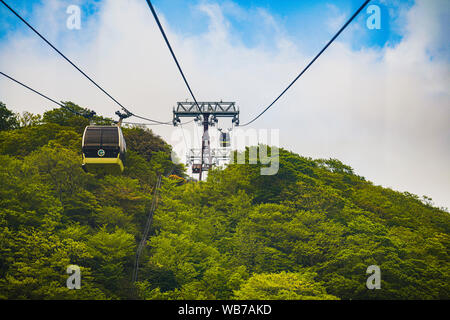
x=225, y=140
x=103, y=147
x=196, y=168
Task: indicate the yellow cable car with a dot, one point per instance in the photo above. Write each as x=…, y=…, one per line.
x=104, y=149
x=225, y=140
x=196, y=168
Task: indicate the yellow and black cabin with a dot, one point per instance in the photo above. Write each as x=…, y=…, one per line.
x=225, y=141
x=196, y=168
x=103, y=148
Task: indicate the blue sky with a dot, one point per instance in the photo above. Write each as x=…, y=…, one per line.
x=305, y=22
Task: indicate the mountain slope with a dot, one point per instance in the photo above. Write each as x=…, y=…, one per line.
x=309, y=232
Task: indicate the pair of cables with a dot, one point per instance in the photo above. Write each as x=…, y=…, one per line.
x=85, y=115
x=178, y=64
x=288, y=87
x=127, y=111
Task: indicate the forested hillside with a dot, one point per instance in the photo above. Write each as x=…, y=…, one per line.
x=309, y=232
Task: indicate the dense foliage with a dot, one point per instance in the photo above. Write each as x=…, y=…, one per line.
x=309, y=232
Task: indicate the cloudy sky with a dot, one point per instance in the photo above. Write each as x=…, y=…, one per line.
x=378, y=100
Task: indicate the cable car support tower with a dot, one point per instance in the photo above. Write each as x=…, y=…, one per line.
x=208, y=113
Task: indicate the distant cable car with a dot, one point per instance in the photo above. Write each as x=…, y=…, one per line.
x=103, y=147
x=225, y=140
x=196, y=168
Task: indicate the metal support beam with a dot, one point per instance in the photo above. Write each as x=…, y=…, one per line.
x=208, y=113
x=214, y=109
x=218, y=155
x=206, y=145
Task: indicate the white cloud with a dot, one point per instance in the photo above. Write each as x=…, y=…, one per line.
x=338, y=18
x=385, y=113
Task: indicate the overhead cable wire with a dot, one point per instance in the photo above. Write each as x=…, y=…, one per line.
x=309, y=65
x=148, y=224
x=68, y=108
x=140, y=124
x=171, y=50
x=44, y=96
x=151, y=120
x=151, y=124
x=75, y=66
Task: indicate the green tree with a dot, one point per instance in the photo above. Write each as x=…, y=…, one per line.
x=282, y=286
x=8, y=120
x=28, y=119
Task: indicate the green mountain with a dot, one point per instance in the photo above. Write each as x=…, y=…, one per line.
x=309, y=232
